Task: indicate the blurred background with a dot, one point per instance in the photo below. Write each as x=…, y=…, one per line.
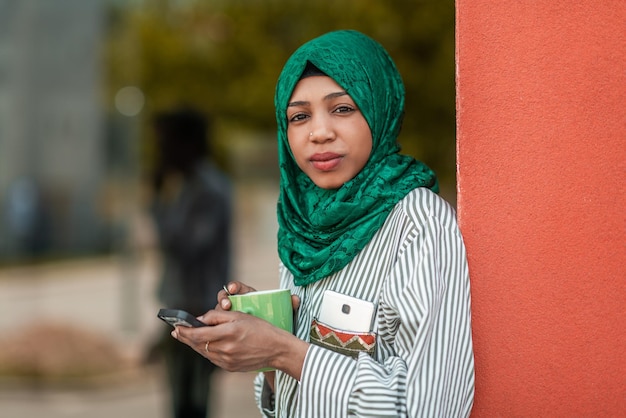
x=80, y=81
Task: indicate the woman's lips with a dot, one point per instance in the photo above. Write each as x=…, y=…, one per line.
x=326, y=161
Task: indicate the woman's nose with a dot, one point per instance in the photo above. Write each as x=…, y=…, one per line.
x=321, y=131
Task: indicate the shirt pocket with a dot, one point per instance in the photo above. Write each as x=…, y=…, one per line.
x=341, y=341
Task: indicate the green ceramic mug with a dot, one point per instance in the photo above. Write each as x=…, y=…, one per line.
x=274, y=306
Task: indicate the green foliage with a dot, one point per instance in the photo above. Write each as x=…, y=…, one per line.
x=225, y=56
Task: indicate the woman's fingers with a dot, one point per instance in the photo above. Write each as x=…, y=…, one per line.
x=200, y=338
x=223, y=303
x=232, y=288
x=234, y=341
x=295, y=302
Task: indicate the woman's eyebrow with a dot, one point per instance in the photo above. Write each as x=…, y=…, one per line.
x=335, y=95
x=298, y=103
x=327, y=97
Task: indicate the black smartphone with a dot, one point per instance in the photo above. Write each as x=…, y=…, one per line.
x=176, y=317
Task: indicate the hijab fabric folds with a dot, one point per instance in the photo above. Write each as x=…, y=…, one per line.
x=321, y=231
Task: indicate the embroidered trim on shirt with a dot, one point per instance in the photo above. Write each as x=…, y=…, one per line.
x=340, y=341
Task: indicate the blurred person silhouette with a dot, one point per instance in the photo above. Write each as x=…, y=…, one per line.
x=191, y=209
x=26, y=217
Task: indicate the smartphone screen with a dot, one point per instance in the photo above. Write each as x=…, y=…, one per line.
x=177, y=317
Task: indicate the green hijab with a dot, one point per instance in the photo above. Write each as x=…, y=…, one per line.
x=321, y=231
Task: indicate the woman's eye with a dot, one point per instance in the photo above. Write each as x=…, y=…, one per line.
x=297, y=117
x=344, y=109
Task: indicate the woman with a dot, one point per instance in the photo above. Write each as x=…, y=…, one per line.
x=358, y=218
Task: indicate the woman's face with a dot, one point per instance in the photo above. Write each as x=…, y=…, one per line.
x=328, y=135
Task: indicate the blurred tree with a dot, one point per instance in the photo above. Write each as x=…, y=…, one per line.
x=225, y=56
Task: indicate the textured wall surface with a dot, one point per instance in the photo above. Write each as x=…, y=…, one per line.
x=541, y=122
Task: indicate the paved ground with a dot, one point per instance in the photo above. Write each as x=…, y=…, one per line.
x=114, y=296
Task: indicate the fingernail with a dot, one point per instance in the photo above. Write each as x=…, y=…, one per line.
x=174, y=334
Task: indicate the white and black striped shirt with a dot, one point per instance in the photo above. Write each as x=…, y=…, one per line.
x=415, y=270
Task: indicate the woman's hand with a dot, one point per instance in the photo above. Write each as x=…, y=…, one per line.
x=239, y=342
x=232, y=288
x=238, y=288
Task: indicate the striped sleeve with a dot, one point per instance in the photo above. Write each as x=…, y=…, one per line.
x=425, y=305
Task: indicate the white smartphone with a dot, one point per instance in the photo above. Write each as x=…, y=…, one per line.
x=346, y=312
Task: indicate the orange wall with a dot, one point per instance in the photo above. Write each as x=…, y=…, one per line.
x=541, y=124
